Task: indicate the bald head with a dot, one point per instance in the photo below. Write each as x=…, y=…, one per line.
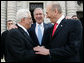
x=53, y=12
x=54, y=6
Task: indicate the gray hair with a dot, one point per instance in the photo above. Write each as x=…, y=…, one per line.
x=37, y=9
x=56, y=5
x=22, y=13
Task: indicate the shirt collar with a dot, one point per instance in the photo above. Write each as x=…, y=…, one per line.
x=22, y=27
x=39, y=24
x=60, y=19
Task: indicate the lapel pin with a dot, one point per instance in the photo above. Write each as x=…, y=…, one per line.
x=61, y=25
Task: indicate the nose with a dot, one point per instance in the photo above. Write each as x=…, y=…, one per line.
x=38, y=15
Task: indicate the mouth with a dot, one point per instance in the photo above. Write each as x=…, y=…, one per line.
x=39, y=18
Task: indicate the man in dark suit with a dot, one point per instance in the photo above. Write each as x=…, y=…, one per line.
x=65, y=38
x=18, y=44
x=39, y=18
x=34, y=32
x=3, y=36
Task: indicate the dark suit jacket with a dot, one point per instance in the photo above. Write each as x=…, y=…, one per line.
x=64, y=45
x=19, y=46
x=3, y=36
x=40, y=58
x=81, y=51
x=34, y=36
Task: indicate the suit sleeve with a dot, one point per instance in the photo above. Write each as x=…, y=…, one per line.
x=3, y=36
x=72, y=46
x=15, y=44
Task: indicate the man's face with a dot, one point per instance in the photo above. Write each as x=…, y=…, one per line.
x=28, y=21
x=39, y=16
x=50, y=14
x=9, y=24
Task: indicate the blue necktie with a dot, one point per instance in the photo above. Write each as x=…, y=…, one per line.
x=39, y=34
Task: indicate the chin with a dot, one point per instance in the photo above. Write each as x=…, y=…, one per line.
x=39, y=22
x=28, y=27
x=51, y=20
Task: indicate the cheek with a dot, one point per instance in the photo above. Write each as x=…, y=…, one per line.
x=50, y=14
x=30, y=21
x=26, y=22
x=43, y=16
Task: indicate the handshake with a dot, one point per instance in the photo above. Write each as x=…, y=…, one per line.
x=41, y=50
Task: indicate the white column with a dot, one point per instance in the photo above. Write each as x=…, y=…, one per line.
x=71, y=8
x=28, y=4
x=79, y=7
x=11, y=10
x=24, y=4
x=46, y=20
x=3, y=16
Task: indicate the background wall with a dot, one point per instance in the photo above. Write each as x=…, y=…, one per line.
x=9, y=9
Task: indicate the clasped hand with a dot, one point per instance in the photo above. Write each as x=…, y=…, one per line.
x=41, y=50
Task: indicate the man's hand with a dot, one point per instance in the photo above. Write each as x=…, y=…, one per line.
x=41, y=50
x=67, y=17
x=12, y=27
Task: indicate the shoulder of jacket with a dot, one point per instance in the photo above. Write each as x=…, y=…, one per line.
x=13, y=31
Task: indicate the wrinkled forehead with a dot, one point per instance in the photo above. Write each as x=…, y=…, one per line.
x=29, y=15
x=10, y=22
x=48, y=7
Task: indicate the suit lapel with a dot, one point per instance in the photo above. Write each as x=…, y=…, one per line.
x=35, y=34
x=60, y=27
x=44, y=32
x=51, y=32
x=24, y=33
x=27, y=36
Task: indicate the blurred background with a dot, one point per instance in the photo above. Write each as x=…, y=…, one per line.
x=9, y=9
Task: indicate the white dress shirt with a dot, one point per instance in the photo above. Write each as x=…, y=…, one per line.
x=42, y=28
x=23, y=28
x=59, y=20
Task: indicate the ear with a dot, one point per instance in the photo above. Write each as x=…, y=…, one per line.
x=23, y=19
x=56, y=11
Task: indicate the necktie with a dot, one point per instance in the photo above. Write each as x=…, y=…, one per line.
x=54, y=29
x=39, y=34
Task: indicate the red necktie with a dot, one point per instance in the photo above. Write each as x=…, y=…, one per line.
x=54, y=29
